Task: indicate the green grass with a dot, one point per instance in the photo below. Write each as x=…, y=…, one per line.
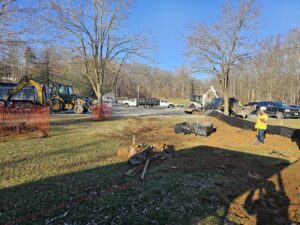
x=74, y=177
x=178, y=101
x=70, y=147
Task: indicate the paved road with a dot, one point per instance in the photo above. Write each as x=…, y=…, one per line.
x=121, y=111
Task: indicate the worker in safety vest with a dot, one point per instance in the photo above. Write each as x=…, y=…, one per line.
x=261, y=125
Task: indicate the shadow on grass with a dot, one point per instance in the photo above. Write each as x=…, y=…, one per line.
x=195, y=186
x=69, y=121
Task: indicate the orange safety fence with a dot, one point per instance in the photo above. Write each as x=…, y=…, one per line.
x=25, y=121
x=101, y=111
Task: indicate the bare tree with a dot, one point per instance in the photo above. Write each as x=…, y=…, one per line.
x=217, y=48
x=93, y=27
x=9, y=41
x=6, y=13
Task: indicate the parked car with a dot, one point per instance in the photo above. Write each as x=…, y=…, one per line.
x=109, y=99
x=130, y=102
x=164, y=103
x=218, y=104
x=120, y=100
x=279, y=110
x=252, y=103
x=295, y=106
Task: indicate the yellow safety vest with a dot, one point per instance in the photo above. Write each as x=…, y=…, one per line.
x=260, y=124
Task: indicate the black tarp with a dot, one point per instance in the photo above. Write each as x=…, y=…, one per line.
x=202, y=129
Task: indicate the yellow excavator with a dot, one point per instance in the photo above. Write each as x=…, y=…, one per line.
x=24, y=82
x=58, y=97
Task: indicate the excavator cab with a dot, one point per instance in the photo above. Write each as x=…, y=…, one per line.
x=196, y=98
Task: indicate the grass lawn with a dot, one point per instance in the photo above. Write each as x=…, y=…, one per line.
x=179, y=101
x=74, y=176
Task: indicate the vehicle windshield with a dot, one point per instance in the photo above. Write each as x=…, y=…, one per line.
x=71, y=90
x=63, y=90
x=195, y=98
x=285, y=105
x=216, y=101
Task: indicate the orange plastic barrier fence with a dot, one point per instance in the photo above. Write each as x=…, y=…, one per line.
x=101, y=111
x=27, y=122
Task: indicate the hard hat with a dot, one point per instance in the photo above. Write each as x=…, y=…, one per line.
x=263, y=108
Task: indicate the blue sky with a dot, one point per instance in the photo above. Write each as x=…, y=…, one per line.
x=166, y=21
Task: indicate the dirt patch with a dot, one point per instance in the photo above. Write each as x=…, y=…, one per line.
x=278, y=198
x=152, y=131
x=278, y=203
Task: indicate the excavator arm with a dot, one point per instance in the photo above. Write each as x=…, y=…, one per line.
x=27, y=81
x=206, y=94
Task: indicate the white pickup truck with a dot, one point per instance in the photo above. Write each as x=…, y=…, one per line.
x=164, y=103
x=130, y=102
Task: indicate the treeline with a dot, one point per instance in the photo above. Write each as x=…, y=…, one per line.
x=273, y=73
x=270, y=72
x=135, y=80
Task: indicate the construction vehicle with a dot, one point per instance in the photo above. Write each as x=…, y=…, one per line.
x=14, y=89
x=57, y=96
x=198, y=102
x=236, y=109
x=63, y=98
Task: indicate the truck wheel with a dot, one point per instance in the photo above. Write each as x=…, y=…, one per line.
x=126, y=105
x=78, y=109
x=56, y=106
x=279, y=115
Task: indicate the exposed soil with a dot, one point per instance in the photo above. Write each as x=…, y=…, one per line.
x=153, y=131
x=278, y=197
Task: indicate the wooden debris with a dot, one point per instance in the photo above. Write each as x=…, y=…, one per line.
x=141, y=155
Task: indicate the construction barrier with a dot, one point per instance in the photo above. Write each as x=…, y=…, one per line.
x=101, y=111
x=288, y=132
x=24, y=121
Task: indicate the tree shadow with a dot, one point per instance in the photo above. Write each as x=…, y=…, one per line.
x=296, y=137
x=271, y=207
x=71, y=120
x=196, y=186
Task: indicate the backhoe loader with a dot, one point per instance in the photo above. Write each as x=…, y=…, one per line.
x=57, y=96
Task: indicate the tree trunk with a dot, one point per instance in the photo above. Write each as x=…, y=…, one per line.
x=226, y=105
x=252, y=94
x=225, y=91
